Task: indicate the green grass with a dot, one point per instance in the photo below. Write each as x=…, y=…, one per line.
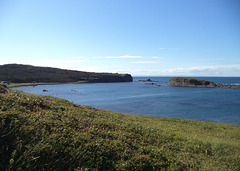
x=46, y=133
x=42, y=83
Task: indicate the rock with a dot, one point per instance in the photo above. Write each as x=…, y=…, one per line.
x=153, y=84
x=190, y=82
x=149, y=83
x=228, y=86
x=149, y=80
x=44, y=90
x=145, y=80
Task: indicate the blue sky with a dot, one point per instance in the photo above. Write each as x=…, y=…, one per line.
x=140, y=37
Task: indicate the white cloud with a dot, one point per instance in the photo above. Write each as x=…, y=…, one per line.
x=80, y=57
x=64, y=61
x=123, y=57
x=156, y=57
x=58, y=63
x=97, y=57
x=117, y=57
x=216, y=70
x=144, y=62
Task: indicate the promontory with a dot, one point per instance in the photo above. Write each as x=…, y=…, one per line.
x=18, y=73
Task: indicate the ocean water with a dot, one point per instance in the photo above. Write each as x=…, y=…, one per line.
x=205, y=104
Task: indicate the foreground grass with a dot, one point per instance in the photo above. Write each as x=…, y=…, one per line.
x=46, y=133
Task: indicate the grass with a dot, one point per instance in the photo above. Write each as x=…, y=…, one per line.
x=47, y=133
x=42, y=83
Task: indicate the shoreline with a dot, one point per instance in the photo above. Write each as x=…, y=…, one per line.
x=47, y=89
x=43, y=83
x=53, y=83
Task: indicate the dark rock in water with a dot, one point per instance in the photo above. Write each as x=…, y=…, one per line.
x=229, y=86
x=190, y=82
x=44, y=90
x=153, y=84
x=149, y=80
x=3, y=88
x=149, y=83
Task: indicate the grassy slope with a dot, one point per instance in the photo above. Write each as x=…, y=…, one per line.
x=46, y=133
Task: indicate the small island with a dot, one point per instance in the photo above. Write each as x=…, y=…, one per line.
x=193, y=82
x=190, y=82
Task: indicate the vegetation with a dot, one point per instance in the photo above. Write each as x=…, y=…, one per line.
x=42, y=83
x=17, y=73
x=47, y=133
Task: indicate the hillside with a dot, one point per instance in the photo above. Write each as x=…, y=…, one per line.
x=17, y=73
x=47, y=133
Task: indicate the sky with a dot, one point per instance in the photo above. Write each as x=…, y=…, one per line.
x=140, y=37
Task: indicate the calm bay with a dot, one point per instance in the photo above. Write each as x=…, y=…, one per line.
x=204, y=104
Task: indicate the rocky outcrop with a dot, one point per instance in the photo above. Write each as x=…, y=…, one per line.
x=228, y=86
x=153, y=84
x=193, y=82
x=148, y=80
x=190, y=82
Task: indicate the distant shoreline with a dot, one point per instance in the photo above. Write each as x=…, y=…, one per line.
x=43, y=83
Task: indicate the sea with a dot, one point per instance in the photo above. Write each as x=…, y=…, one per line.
x=158, y=100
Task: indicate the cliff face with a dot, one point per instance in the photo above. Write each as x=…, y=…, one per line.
x=17, y=73
x=190, y=82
